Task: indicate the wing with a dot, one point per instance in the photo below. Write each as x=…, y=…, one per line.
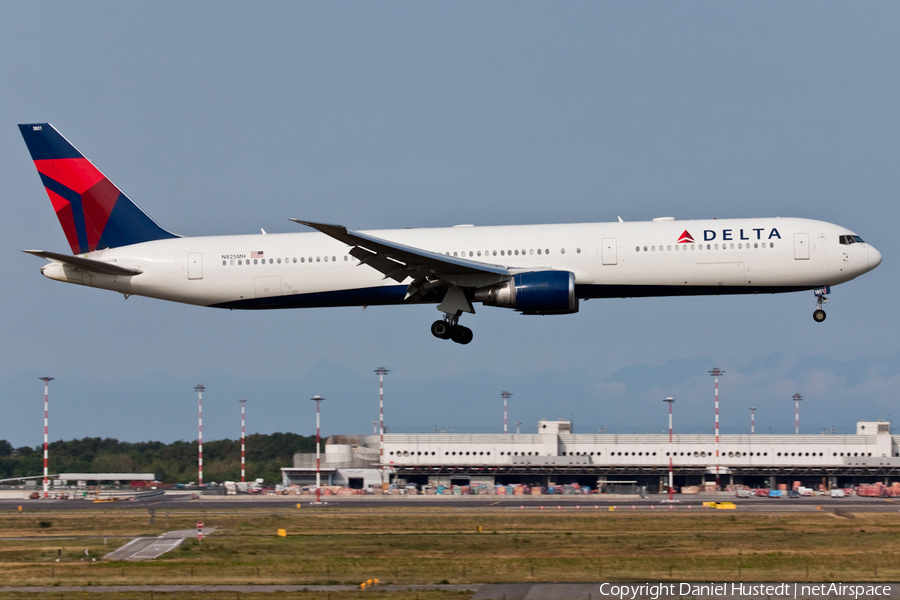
x=88, y=264
x=399, y=261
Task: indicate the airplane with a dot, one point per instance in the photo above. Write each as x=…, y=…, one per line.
x=533, y=269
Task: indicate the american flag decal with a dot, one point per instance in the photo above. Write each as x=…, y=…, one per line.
x=256, y=254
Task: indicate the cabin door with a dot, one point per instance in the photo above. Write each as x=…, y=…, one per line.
x=801, y=246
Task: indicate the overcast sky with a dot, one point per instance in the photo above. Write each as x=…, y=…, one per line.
x=225, y=117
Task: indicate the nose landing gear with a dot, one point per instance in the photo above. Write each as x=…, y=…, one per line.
x=449, y=328
x=819, y=314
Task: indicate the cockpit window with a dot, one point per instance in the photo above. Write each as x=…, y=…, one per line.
x=846, y=240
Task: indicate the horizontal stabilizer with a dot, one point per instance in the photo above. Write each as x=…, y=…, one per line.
x=88, y=264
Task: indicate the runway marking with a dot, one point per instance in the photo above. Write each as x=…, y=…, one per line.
x=146, y=548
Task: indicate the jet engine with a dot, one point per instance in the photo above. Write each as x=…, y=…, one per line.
x=533, y=293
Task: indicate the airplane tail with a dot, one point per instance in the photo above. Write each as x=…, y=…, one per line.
x=93, y=212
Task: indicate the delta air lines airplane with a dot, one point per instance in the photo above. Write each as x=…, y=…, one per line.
x=533, y=269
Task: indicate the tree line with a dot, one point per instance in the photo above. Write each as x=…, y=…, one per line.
x=266, y=454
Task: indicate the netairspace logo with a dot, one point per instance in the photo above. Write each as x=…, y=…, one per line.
x=791, y=591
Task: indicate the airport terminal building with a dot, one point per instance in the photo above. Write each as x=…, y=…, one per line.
x=556, y=456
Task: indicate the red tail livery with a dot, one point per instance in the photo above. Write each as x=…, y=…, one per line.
x=93, y=212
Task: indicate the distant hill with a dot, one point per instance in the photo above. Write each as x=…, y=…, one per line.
x=172, y=463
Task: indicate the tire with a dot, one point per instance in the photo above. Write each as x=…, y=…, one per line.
x=441, y=330
x=819, y=315
x=461, y=335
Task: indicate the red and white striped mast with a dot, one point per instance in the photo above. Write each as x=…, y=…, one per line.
x=318, y=399
x=381, y=371
x=506, y=396
x=717, y=372
x=671, y=401
x=797, y=399
x=200, y=389
x=243, y=438
x=46, y=381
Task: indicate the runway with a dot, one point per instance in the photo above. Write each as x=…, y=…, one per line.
x=568, y=503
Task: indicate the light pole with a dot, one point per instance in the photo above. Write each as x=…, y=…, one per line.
x=517, y=426
x=381, y=371
x=506, y=396
x=670, y=401
x=200, y=389
x=243, y=438
x=797, y=399
x=317, y=400
x=46, y=381
x=716, y=372
x=752, y=420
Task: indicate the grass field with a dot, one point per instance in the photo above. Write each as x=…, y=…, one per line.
x=442, y=545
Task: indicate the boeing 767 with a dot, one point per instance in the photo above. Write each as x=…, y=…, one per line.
x=534, y=269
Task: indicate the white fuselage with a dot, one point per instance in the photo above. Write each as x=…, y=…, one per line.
x=616, y=259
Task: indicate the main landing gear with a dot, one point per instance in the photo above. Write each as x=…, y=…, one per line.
x=449, y=329
x=819, y=314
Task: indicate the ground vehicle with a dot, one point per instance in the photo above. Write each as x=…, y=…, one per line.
x=837, y=493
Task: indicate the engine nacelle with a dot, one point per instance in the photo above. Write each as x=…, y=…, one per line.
x=534, y=293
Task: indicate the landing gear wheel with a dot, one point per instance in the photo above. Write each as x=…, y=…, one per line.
x=441, y=329
x=461, y=335
x=819, y=315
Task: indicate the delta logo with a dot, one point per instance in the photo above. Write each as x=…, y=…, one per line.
x=727, y=235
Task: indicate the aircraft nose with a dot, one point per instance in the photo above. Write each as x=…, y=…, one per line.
x=874, y=257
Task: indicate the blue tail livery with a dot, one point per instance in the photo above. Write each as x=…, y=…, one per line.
x=93, y=212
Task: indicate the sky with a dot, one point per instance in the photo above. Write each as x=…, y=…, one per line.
x=228, y=117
